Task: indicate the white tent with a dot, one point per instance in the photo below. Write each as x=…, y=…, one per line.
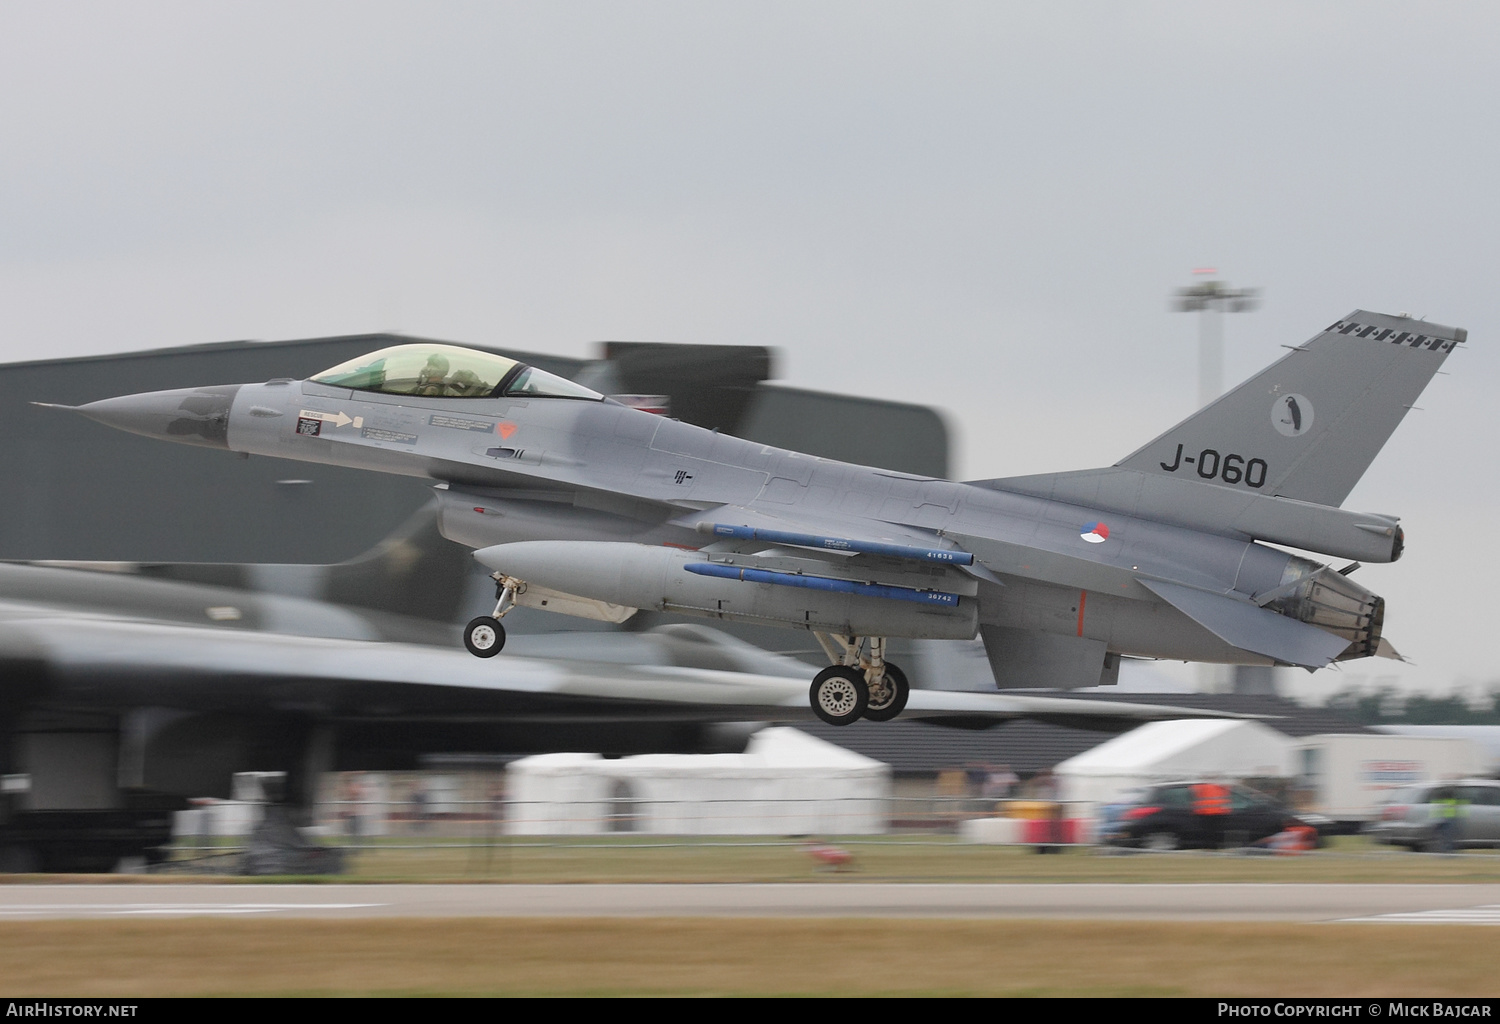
x=785, y=783
x=1187, y=749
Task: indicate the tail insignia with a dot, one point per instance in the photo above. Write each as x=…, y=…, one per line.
x=1292, y=415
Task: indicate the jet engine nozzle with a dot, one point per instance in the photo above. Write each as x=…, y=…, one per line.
x=188, y=415
x=1334, y=603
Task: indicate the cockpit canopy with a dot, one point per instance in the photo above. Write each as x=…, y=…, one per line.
x=447, y=371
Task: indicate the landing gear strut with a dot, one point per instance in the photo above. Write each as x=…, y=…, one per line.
x=889, y=699
x=484, y=636
x=859, y=684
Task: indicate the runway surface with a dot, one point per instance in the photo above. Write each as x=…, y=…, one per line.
x=1467, y=904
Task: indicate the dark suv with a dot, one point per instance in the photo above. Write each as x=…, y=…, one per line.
x=1184, y=815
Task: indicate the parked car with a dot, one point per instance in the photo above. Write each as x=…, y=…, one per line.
x=1411, y=815
x=1183, y=815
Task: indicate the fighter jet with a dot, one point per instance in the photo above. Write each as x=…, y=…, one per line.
x=582, y=506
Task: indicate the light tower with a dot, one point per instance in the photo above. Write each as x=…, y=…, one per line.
x=1210, y=299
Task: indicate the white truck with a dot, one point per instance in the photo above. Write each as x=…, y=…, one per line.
x=1347, y=776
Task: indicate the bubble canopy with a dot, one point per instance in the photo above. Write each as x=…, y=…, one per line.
x=448, y=371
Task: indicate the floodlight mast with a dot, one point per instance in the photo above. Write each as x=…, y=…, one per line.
x=1209, y=299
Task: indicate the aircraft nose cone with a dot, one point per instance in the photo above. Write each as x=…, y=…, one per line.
x=188, y=415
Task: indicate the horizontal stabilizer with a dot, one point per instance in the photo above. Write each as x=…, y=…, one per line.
x=1243, y=625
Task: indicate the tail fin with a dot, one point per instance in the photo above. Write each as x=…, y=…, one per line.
x=414, y=571
x=1310, y=425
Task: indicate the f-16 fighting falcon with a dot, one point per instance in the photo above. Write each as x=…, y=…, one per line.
x=582, y=506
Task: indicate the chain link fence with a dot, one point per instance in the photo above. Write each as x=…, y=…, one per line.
x=417, y=824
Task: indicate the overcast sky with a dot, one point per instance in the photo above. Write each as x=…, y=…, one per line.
x=978, y=206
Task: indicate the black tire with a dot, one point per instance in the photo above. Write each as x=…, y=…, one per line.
x=1161, y=842
x=484, y=637
x=839, y=695
x=893, y=705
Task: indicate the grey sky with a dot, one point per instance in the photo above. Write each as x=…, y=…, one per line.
x=976, y=206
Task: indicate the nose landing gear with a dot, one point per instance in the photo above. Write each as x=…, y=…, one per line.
x=484, y=636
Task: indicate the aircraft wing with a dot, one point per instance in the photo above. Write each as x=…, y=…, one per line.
x=119, y=662
x=112, y=662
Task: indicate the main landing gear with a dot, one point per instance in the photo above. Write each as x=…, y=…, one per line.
x=484, y=636
x=860, y=683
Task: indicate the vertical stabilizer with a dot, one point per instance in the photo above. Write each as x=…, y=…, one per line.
x=1310, y=425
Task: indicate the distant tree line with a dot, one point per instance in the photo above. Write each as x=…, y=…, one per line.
x=1384, y=706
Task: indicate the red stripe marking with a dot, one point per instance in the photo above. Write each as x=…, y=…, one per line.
x=1083, y=595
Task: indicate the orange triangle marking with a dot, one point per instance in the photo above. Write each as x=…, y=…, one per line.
x=505, y=430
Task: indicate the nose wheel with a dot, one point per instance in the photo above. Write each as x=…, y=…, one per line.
x=484, y=636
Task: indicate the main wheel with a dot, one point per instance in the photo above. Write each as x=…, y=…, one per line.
x=889, y=701
x=839, y=695
x=484, y=637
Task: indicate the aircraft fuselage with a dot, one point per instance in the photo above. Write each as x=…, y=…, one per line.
x=560, y=469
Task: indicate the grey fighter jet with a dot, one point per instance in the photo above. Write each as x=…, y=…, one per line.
x=582, y=506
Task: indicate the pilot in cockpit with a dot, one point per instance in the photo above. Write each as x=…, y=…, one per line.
x=430, y=379
x=466, y=384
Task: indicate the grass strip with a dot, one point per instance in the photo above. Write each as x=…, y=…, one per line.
x=660, y=859
x=694, y=956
